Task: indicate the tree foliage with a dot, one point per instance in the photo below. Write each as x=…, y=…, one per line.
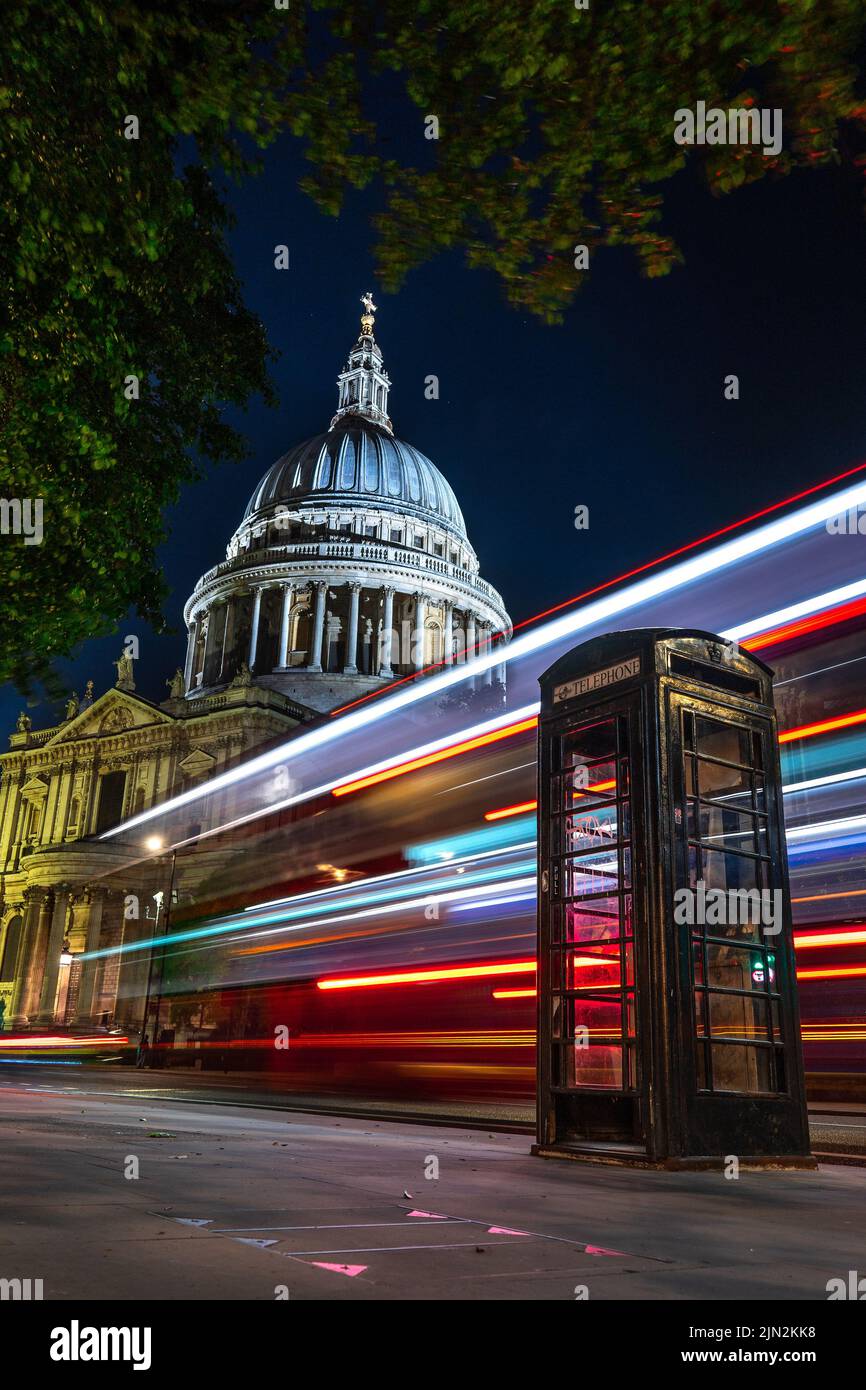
x=555, y=130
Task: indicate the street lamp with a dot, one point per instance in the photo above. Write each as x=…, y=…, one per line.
x=154, y=842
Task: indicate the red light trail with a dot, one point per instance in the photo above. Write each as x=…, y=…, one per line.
x=620, y=579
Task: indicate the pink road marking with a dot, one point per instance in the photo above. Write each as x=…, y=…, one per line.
x=350, y=1270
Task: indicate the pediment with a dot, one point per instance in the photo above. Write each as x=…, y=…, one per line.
x=35, y=788
x=115, y=712
x=197, y=763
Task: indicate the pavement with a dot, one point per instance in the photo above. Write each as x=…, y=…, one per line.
x=240, y=1203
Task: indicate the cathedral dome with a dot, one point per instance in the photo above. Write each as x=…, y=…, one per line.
x=351, y=567
x=359, y=462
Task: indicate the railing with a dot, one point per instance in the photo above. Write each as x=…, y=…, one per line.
x=378, y=552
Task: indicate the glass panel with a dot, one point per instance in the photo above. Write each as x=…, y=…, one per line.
x=724, y=869
x=730, y=742
x=593, y=873
x=725, y=828
x=598, y=919
x=732, y=784
x=736, y=1016
x=601, y=967
x=700, y=1012
x=587, y=745
x=600, y=1064
x=593, y=829
x=556, y=1016
x=584, y=786
x=741, y=1068
x=691, y=776
x=734, y=967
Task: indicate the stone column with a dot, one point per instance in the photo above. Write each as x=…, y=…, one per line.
x=37, y=908
x=500, y=669
x=351, y=664
x=254, y=630
x=191, y=643
x=418, y=634
x=315, y=662
x=449, y=633
x=285, y=624
x=228, y=612
x=56, y=937
x=471, y=637
x=486, y=645
x=89, y=968
x=386, y=635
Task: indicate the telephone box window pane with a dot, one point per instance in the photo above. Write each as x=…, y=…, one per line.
x=594, y=829
x=594, y=873
x=736, y=1016
x=632, y=1065
x=698, y=955
x=738, y=1067
x=556, y=1016
x=603, y=967
x=726, y=869
x=600, y=1018
x=729, y=742
x=734, y=967
x=598, y=1065
x=721, y=827
x=598, y=919
x=590, y=744
x=585, y=786
x=700, y=1013
x=691, y=775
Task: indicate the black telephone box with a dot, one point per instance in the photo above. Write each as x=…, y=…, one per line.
x=668, y=1022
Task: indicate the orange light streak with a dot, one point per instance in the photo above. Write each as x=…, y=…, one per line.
x=824, y=726
x=452, y=751
x=801, y=626
x=511, y=810
x=822, y=897
x=515, y=994
x=414, y=977
x=841, y=972
x=806, y=941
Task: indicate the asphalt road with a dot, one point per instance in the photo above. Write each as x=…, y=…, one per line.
x=231, y=1202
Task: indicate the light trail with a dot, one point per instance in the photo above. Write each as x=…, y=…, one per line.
x=414, y=977
x=669, y=581
x=630, y=574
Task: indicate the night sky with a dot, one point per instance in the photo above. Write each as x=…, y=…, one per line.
x=620, y=408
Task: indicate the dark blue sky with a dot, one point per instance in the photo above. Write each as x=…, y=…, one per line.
x=620, y=408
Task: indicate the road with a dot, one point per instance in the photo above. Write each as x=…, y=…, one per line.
x=235, y=1202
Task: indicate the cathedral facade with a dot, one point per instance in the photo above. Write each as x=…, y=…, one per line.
x=350, y=568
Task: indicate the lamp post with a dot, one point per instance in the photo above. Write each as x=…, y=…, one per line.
x=155, y=843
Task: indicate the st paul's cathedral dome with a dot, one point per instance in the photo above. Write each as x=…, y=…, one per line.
x=351, y=566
